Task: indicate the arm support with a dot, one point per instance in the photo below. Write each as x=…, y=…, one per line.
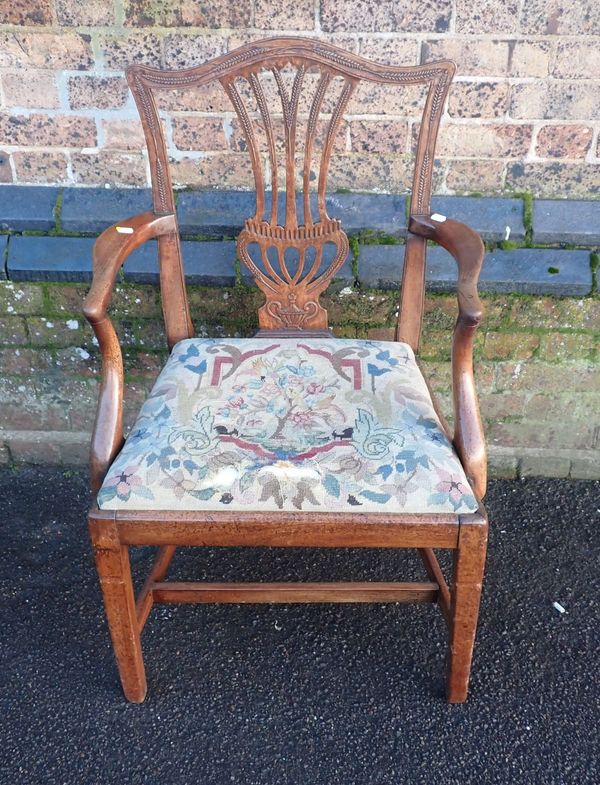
x=110, y=251
x=466, y=247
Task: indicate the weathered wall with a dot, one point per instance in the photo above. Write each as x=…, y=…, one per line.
x=538, y=370
x=523, y=114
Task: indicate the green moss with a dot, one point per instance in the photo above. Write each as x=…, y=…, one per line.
x=508, y=245
x=58, y=214
x=528, y=217
x=355, y=251
x=373, y=237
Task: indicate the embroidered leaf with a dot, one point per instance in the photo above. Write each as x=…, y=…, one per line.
x=438, y=498
x=246, y=480
x=332, y=485
x=385, y=470
x=380, y=498
x=385, y=356
x=204, y=494
x=199, y=369
x=192, y=351
x=271, y=488
x=142, y=490
x=375, y=371
x=202, y=472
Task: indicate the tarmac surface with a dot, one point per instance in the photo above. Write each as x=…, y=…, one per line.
x=301, y=694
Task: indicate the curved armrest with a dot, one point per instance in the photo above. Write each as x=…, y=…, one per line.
x=110, y=251
x=466, y=247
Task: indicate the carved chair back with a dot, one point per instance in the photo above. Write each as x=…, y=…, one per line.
x=289, y=257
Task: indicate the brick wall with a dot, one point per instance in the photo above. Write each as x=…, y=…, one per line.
x=538, y=365
x=523, y=114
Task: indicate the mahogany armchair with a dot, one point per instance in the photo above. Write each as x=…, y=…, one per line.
x=293, y=437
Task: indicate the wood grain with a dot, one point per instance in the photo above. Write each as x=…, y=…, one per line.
x=292, y=289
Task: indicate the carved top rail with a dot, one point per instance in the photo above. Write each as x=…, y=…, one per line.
x=292, y=287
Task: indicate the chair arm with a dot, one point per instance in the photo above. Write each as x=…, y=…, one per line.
x=110, y=251
x=466, y=247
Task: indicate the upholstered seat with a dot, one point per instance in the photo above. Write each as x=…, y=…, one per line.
x=288, y=424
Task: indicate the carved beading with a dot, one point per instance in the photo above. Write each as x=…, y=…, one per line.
x=292, y=299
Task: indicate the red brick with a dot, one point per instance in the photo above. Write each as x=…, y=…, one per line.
x=109, y=92
x=46, y=131
x=365, y=171
x=555, y=17
x=563, y=347
x=471, y=176
x=391, y=51
x=41, y=166
x=12, y=330
x=199, y=133
x=378, y=136
x=20, y=298
x=78, y=361
x=36, y=89
x=109, y=167
x=484, y=141
x=282, y=15
x=385, y=16
x=26, y=12
x=217, y=170
x=45, y=50
x=555, y=100
x=543, y=434
x=473, y=58
x=564, y=406
x=578, y=59
x=23, y=406
x=185, y=51
x=518, y=346
x=143, y=364
x=119, y=51
x=188, y=13
x=554, y=179
x=123, y=135
x=530, y=58
x=498, y=406
x=24, y=362
x=556, y=313
x=478, y=99
x=381, y=333
x=371, y=98
x=584, y=377
x=208, y=98
x=91, y=13
x=563, y=141
x=487, y=16
x=56, y=331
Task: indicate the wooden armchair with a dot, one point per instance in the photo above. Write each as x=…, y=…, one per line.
x=294, y=437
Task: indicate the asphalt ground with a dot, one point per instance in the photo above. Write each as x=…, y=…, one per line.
x=315, y=695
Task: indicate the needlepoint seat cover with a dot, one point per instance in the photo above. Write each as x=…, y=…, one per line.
x=288, y=424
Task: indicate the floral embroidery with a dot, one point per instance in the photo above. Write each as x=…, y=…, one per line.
x=282, y=425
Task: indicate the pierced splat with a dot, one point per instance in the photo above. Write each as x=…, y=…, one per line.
x=268, y=83
x=292, y=298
